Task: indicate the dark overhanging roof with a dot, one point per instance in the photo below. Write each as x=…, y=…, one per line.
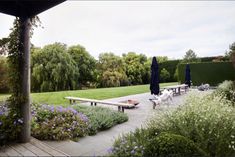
x=26, y=8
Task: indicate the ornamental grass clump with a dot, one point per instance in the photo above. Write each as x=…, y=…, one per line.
x=58, y=123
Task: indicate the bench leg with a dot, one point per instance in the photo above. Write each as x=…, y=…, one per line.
x=91, y=103
x=123, y=109
x=95, y=103
x=119, y=108
x=72, y=102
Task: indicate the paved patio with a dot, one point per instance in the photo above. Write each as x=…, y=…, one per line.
x=98, y=144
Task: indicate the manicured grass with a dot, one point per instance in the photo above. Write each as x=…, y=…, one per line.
x=57, y=98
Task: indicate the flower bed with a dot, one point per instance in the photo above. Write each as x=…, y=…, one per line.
x=10, y=125
x=206, y=123
x=58, y=123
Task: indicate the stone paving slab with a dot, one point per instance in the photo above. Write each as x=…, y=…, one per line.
x=98, y=144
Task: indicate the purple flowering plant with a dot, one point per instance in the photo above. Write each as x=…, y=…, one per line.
x=58, y=122
x=10, y=124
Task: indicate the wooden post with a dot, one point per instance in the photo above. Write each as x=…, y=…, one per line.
x=25, y=73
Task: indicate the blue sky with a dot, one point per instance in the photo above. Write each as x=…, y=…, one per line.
x=154, y=28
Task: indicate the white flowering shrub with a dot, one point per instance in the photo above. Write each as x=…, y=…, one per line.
x=207, y=121
x=226, y=89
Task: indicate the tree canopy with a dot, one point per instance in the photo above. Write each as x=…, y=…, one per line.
x=53, y=69
x=190, y=56
x=86, y=65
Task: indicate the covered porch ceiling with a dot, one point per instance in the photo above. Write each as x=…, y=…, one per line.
x=26, y=8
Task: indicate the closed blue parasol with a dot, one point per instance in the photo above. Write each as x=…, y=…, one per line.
x=154, y=84
x=187, y=75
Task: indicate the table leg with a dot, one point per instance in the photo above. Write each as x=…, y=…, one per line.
x=154, y=105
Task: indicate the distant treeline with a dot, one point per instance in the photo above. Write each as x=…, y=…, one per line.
x=56, y=67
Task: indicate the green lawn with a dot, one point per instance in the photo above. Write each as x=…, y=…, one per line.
x=57, y=98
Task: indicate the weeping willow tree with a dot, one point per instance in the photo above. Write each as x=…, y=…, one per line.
x=53, y=69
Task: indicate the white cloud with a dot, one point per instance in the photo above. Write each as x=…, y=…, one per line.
x=152, y=27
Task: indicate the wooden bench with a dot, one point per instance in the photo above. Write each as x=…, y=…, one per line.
x=178, y=89
x=121, y=106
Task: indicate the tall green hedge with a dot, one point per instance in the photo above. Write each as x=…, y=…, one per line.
x=170, y=66
x=207, y=72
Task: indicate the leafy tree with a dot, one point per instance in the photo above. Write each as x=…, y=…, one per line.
x=135, y=69
x=4, y=43
x=161, y=59
x=53, y=69
x=228, y=54
x=111, y=67
x=190, y=56
x=109, y=61
x=164, y=75
x=147, y=71
x=86, y=65
x=111, y=79
x=231, y=54
x=4, y=86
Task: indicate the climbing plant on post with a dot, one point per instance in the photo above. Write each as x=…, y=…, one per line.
x=19, y=75
x=14, y=57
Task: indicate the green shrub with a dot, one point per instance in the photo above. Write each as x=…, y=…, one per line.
x=208, y=72
x=10, y=125
x=172, y=145
x=101, y=118
x=207, y=120
x=58, y=123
